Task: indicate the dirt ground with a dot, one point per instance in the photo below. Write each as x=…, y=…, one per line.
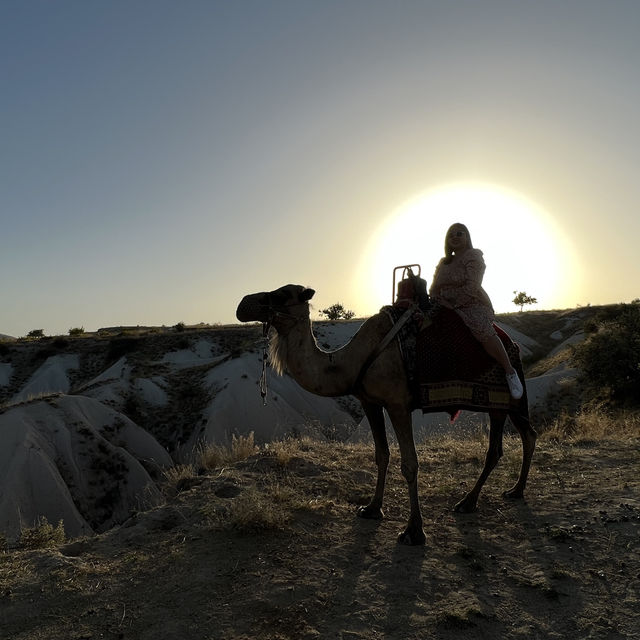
x=270, y=548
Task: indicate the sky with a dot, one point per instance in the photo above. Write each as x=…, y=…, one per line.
x=159, y=159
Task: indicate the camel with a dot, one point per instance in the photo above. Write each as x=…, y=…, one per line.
x=378, y=380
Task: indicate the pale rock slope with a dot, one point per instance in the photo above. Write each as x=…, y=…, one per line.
x=237, y=407
x=71, y=458
x=51, y=377
x=112, y=385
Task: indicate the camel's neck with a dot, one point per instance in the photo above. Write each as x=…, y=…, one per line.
x=323, y=373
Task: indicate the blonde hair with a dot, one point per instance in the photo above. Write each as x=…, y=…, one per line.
x=448, y=251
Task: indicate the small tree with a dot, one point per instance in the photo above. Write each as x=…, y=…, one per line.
x=337, y=312
x=522, y=298
x=76, y=331
x=36, y=333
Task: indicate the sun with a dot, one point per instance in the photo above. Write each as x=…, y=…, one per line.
x=524, y=248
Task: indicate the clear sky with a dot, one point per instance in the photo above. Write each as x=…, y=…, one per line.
x=161, y=159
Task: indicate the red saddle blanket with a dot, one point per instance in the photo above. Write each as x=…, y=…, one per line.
x=450, y=370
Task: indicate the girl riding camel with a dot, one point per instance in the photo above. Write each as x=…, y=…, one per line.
x=457, y=284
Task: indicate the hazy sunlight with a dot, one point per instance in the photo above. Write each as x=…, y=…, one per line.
x=523, y=248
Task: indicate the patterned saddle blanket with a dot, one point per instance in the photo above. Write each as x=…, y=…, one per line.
x=449, y=369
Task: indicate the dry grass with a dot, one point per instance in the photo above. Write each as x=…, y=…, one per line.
x=594, y=425
x=213, y=456
x=285, y=450
x=447, y=465
x=42, y=536
x=208, y=457
x=257, y=510
x=176, y=477
x=273, y=544
x=268, y=506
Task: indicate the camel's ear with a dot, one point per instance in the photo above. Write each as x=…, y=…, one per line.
x=307, y=294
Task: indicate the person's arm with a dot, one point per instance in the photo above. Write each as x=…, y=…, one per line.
x=469, y=291
x=474, y=268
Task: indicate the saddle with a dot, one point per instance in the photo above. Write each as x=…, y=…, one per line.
x=448, y=369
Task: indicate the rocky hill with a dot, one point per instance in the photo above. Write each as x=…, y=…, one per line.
x=269, y=548
x=89, y=423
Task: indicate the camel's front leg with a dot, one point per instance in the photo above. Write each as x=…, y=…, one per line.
x=375, y=416
x=401, y=420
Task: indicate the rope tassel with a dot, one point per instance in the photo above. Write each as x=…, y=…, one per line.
x=263, y=377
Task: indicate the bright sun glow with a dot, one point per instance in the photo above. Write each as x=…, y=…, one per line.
x=523, y=248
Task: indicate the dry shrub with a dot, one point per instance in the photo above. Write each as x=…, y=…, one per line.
x=257, y=510
x=212, y=456
x=176, y=477
x=269, y=506
x=242, y=448
x=42, y=536
x=459, y=451
x=285, y=450
x=594, y=424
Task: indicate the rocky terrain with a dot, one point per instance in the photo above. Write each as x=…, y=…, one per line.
x=115, y=528
x=270, y=548
x=89, y=423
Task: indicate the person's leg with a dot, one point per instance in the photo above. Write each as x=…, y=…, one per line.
x=496, y=350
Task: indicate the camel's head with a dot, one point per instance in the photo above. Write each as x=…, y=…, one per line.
x=289, y=301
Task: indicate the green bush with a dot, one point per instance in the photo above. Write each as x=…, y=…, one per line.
x=609, y=359
x=76, y=331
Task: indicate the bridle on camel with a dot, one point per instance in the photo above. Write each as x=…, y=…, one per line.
x=272, y=314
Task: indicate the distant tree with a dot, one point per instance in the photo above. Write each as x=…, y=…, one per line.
x=76, y=331
x=36, y=333
x=337, y=312
x=522, y=298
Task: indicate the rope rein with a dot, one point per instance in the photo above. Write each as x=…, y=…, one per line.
x=266, y=326
x=263, y=376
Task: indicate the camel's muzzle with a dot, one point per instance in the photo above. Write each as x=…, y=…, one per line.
x=252, y=308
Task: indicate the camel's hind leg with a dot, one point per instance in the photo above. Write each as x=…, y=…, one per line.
x=494, y=453
x=529, y=436
x=375, y=416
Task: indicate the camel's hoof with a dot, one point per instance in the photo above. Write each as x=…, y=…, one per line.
x=466, y=506
x=513, y=494
x=412, y=537
x=370, y=513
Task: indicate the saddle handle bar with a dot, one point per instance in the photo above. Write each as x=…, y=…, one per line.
x=406, y=270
